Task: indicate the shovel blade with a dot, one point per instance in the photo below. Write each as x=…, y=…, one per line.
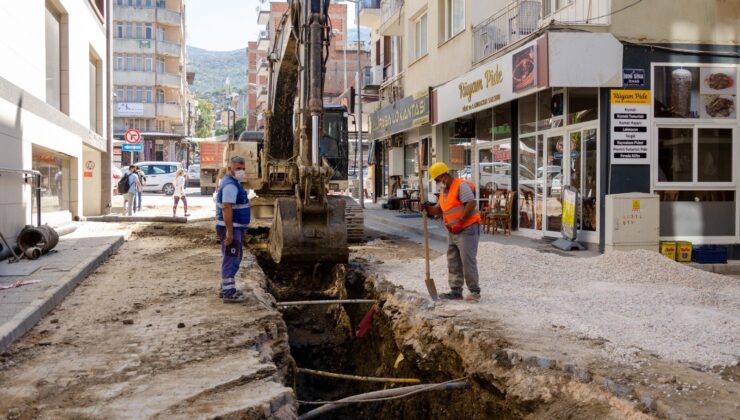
x=431, y=288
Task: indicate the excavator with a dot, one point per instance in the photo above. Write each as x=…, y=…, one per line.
x=286, y=169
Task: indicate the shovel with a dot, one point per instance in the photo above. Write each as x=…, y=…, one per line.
x=428, y=280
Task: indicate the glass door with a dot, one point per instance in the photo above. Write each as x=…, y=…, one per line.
x=582, y=164
x=556, y=158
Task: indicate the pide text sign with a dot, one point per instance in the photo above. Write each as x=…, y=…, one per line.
x=630, y=122
x=409, y=112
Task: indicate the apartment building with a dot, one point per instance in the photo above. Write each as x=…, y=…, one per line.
x=256, y=81
x=150, y=78
x=529, y=96
x=53, y=96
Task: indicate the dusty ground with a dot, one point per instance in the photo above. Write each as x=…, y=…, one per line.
x=146, y=336
x=509, y=322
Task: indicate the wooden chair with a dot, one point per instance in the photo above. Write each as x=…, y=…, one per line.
x=492, y=207
x=504, y=216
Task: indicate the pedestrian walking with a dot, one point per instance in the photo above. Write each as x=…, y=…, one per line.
x=459, y=210
x=232, y=218
x=130, y=183
x=140, y=191
x=180, y=192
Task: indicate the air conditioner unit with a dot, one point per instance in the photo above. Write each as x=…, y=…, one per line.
x=263, y=34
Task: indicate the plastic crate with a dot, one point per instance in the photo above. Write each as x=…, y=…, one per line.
x=709, y=254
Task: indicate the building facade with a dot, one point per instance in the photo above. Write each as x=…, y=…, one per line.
x=531, y=96
x=149, y=77
x=53, y=115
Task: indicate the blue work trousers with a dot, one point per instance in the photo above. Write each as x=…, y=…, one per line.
x=232, y=257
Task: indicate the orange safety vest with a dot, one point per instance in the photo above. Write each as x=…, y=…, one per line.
x=452, y=208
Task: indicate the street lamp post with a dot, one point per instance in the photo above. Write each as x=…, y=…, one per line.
x=359, y=97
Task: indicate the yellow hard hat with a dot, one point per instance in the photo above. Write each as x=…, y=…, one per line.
x=437, y=169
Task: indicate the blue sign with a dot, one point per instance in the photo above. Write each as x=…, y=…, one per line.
x=138, y=147
x=557, y=155
x=633, y=77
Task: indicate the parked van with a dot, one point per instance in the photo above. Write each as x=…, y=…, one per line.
x=160, y=176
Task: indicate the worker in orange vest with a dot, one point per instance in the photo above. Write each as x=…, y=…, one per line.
x=459, y=210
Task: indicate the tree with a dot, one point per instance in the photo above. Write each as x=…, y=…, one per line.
x=239, y=126
x=205, y=119
x=222, y=130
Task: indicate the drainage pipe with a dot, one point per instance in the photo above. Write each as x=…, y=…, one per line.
x=360, y=378
x=325, y=302
x=383, y=395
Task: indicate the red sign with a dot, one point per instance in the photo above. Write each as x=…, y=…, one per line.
x=88, y=174
x=132, y=136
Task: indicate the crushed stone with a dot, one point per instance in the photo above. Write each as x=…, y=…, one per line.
x=631, y=301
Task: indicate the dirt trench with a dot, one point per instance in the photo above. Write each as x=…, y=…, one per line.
x=323, y=338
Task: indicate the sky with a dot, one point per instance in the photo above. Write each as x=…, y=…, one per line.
x=226, y=25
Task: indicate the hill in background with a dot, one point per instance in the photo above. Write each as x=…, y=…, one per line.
x=213, y=67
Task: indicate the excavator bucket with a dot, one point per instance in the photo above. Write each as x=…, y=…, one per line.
x=310, y=236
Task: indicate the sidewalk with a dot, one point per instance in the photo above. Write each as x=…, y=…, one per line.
x=410, y=226
x=57, y=273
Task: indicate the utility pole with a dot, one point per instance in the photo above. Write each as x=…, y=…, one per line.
x=359, y=104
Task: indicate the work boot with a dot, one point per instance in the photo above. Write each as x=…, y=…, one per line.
x=451, y=296
x=473, y=297
x=236, y=297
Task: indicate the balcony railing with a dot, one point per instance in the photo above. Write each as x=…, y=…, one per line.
x=520, y=18
x=388, y=8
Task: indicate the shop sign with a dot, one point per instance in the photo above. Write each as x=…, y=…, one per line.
x=130, y=109
x=409, y=112
x=568, y=226
x=633, y=78
x=630, y=122
x=88, y=174
x=498, y=81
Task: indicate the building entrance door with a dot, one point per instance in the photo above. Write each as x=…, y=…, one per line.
x=556, y=158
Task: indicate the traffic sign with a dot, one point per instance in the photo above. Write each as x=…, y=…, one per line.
x=132, y=147
x=132, y=136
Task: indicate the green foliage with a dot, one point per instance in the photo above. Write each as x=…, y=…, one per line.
x=213, y=67
x=222, y=130
x=239, y=126
x=205, y=119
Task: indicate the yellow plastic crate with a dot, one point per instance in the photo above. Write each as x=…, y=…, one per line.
x=683, y=251
x=668, y=249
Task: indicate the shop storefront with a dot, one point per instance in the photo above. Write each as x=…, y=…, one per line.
x=398, y=132
x=56, y=176
x=692, y=142
x=529, y=123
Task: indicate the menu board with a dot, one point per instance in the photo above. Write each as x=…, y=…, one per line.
x=630, y=123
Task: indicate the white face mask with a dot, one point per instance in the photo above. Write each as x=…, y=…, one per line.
x=440, y=186
x=239, y=175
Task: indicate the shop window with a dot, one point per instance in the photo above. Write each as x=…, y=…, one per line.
x=55, y=175
x=528, y=114
x=583, y=105
x=410, y=159
x=544, y=114
x=695, y=92
x=675, y=154
x=502, y=122
x=714, y=155
x=676, y=158
x=527, y=181
x=483, y=121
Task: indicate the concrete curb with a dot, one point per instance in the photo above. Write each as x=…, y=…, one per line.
x=384, y=221
x=23, y=321
x=160, y=219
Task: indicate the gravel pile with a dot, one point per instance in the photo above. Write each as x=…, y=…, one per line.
x=636, y=300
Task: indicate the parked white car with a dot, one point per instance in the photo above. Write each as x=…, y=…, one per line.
x=160, y=176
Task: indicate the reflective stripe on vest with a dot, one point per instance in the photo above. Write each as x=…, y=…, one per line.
x=453, y=208
x=235, y=206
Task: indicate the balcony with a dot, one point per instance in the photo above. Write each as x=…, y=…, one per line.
x=169, y=49
x=520, y=18
x=147, y=78
x=263, y=43
x=133, y=46
x=370, y=13
x=148, y=14
x=262, y=95
x=263, y=14
x=263, y=68
x=390, y=22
